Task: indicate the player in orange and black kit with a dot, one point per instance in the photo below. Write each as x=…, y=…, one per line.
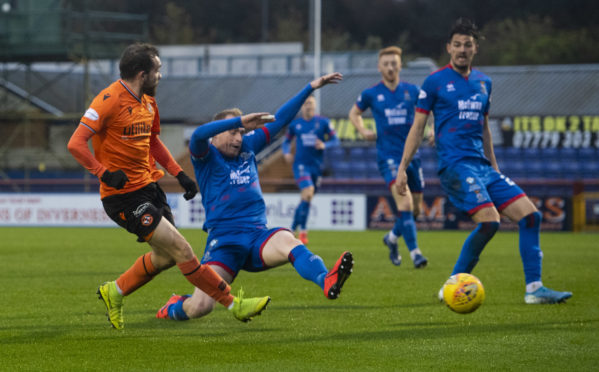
x=124, y=126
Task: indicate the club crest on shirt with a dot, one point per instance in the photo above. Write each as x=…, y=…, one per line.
x=450, y=87
x=483, y=87
x=406, y=96
x=150, y=109
x=380, y=98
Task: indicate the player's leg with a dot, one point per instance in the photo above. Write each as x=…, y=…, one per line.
x=527, y=216
x=132, y=211
x=195, y=306
x=283, y=247
x=167, y=240
x=305, y=183
x=303, y=208
x=466, y=189
x=388, y=170
x=487, y=224
x=405, y=206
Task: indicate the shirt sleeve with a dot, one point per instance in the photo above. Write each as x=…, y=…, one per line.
x=489, y=89
x=156, y=122
x=99, y=111
x=199, y=145
x=330, y=132
x=163, y=156
x=286, y=146
x=79, y=149
x=257, y=139
x=363, y=101
x=427, y=96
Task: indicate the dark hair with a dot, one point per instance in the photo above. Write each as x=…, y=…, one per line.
x=137, y=57
x=464, y=26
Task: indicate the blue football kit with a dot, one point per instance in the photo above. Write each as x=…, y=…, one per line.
x=459, y=106
x=307, y=164
x=233, y=200
x=393, y=113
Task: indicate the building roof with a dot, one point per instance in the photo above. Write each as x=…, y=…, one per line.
x=517, y=90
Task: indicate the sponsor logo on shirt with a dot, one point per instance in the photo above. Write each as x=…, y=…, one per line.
x=136, y=129
x=470, y=109
x=240, y=176
x=396, y=115
x=309, y=139
x=422, y=94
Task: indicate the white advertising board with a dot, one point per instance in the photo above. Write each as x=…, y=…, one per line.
x=327, y=211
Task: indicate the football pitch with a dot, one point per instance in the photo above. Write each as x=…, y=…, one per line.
x=387, y=318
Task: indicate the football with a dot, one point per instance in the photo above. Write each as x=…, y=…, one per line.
x=463, y=293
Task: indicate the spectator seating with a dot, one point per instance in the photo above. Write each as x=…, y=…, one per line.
x=548, y=163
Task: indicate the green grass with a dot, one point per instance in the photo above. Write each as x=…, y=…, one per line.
x=387, y=318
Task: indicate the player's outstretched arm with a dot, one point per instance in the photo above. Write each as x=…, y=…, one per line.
x=256, y=120
x=411, y=146
x=198, y=143
x=332, y=78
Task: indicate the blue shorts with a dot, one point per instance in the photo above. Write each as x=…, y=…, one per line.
x=388, y=169
x=475, y=185
x=306, y=176
x=238, y=249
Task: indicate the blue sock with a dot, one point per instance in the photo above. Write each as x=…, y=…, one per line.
x=397, y=227
x=474, y=245
x=308, y=265
x=304, y=208
x=296, y=218
x=175, y=311
x=530, y=249
x=408, y=229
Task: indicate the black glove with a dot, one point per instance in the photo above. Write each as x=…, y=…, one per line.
x=116, y=179
x=187, y=183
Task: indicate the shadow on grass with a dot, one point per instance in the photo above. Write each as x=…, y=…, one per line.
x=428, y=330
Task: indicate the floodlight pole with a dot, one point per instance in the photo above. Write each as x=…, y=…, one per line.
x=317, y=29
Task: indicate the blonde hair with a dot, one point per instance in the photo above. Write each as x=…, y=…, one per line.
x=234, y=111
x=390, y=50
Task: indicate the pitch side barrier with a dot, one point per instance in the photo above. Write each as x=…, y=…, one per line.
x=342, y=204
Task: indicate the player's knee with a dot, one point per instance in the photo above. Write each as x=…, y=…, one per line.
x=182, y=250
x=489, y=228
x=532, y=220
x=416, y=211
x=196, y=308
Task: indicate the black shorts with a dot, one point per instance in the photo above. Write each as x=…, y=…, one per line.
x=139, y=211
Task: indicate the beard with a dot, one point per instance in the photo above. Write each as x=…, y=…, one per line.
x=150, y=90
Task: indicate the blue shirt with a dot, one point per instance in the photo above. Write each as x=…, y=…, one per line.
x=459, y=106
x=230, y=187
x=307, y=132
x=393, y=113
